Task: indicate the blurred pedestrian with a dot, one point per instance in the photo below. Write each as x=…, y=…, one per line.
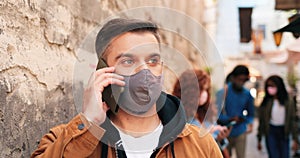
x=197, y=100
x=238, y=109
x=277, y=119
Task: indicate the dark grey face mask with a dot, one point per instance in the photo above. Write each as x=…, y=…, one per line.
x=141, y=92
x=237, y=87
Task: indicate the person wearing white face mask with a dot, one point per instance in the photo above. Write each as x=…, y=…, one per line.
x=277, y=119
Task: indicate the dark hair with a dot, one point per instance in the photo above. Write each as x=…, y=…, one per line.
x=228, y=78
x=186, y=86
x=282, y=94
x=240, y=70
x=118, y=26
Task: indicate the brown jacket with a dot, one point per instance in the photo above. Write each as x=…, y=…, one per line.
x=75, y=141
x=81, y=138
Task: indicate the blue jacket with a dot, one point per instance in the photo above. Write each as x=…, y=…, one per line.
x=236, y=104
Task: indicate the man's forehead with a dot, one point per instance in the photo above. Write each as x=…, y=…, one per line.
x=242, y=77
x=136, y=43
x=129, y=34
x=145, y=47
x=133, y=41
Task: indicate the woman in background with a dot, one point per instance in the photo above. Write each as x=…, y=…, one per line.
x=193, y=88
x=277, y=119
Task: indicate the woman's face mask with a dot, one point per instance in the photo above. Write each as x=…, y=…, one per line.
x=272, y=90
x=203, y=97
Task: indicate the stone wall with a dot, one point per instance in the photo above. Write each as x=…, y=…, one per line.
x=38, y=39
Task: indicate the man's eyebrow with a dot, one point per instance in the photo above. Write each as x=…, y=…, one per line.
x=131, y=55
x=154, y=55
x=123, y=55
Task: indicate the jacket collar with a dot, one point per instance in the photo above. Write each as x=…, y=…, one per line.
x=172, y=116
x=186, y=131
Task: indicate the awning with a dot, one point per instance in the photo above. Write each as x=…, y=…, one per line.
x=293, y=27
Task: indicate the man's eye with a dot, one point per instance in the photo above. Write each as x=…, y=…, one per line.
x=127, y=62
x=153, y=61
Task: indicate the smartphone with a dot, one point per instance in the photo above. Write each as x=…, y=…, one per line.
x=231, y=123
x=224, y=143
x=107, y=95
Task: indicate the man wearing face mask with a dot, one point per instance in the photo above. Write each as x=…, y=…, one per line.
x=238, y=109
x=125, y=113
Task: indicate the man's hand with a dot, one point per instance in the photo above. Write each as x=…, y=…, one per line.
x=237, y=119
x=93, y=107
x=249, y=128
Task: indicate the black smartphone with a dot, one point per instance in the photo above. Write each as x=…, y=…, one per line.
x=107, y=95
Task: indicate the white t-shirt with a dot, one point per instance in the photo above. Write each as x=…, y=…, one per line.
x=137, y=147
x=277, y=114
